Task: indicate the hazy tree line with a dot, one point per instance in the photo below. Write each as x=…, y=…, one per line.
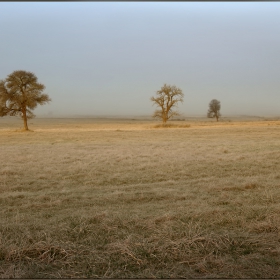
x=20, y=93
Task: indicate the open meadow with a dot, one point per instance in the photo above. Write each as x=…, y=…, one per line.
x=124, y=198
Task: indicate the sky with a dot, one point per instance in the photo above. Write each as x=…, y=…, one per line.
x=110, y=58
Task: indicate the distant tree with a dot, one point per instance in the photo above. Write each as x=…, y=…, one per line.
x=214, y=109
x=167, y=98
x=19, y=94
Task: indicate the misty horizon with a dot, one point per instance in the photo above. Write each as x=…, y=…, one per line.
x=110, y=58
x=147, y=116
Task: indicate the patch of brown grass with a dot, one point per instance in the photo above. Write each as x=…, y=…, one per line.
x=40, y=251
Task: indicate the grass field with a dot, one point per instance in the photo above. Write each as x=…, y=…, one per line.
x=109, y=198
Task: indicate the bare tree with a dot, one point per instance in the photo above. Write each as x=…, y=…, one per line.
x=214, y=109
x=19, y=94
x=167, y=98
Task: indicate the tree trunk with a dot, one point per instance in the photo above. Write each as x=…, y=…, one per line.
x=24, y=119
x=217, y=118
x=164, y=119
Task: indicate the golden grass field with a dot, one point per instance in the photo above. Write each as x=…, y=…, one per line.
x=112, y=198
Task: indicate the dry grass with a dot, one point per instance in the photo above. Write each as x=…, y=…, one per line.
x=171, y=125
x=123, y=199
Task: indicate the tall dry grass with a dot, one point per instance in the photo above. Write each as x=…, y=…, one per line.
x=123, y=199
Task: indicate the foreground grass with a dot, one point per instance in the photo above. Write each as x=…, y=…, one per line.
x=128, y=200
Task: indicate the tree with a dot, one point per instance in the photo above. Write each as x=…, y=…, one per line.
x=167, y=98
x=19, y=94
x=214, y=109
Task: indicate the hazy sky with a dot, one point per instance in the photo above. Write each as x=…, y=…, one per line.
x=110, y=57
